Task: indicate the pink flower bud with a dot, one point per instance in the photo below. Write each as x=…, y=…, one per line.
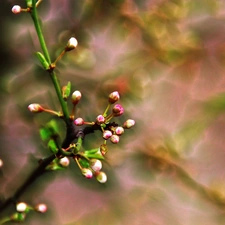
x=87, y=173
x=21, y=207
x=42, y=208
x=95, y=164
x=76, y=96
x=72, y=44
x=114, y=97
x=115, y=139
x=107, y=134
x=100, y=119
x=35, y=107
x=16, y=9
x=129, y=123
x=117, y=110
x=79, y=122
x=64, y=161
x=119, y=131
x=101, y=177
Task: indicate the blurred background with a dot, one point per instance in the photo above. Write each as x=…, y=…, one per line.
x=166, y=58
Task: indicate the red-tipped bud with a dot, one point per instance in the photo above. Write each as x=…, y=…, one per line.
x=42, y=208
x=79, y=121
x=21, y=207
x=64, y=161
x=16, y=9
x=114, y=97
x=119, y=131
x=100, y=119
x=103, y=149
x=117, y=110
x=35, y=108
x=115, y=139
x=72, y=44
x=101, y=177
x=87, y=173
x=107, y=134
x=96, y=164
x=76, y=96
x=129, y=123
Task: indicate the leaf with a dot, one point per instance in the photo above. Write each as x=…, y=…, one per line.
x=52, y=146
x=49, y=131
x=42, y=60
x=66, y=90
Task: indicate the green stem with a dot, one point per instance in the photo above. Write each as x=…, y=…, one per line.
x=34, y=16
x=55, y=81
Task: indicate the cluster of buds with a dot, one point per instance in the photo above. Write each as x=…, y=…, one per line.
x=110, y=131
x=92, y=168
x=23, y=208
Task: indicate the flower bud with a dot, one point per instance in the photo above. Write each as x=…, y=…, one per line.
x=101, y=177
x=79, y=121
x=114, y=97
x=21, y=207
x=119, y=131
x=35, y=107
x=100, y=119
x=1, y=163
x=107, y=134
x=72, y=44
x=103, y=149
x=76, y=96
x=129, y=123
x=115, y=139
x=96, y=164
x=87, y=173
x=42, y=208
x=16, y=9
x=64, y=161
x=117, y=110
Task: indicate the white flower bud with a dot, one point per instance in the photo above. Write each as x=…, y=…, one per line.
x=96, y=164
x=115, y=139
x=72, y=44
x=107, y=134
x=129, y=123
x=119, y=131
x=35, y=107
x=42, y=208
x=101, y=177
x=64, y=161
x=87, y=173
x=16, y=9
x=21, y=207
x=114, y=97
x=1, y=163
x=76, y=96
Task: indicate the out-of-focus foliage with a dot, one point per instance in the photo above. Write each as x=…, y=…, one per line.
x=166, y=58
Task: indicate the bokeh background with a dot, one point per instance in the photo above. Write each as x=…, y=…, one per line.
x=166, y=58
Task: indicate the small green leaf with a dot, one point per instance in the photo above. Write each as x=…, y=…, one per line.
x=42, y=60
x=66, y=90
x=52, y=146
x=84, y=163
x=45, y=133
x=29, y=3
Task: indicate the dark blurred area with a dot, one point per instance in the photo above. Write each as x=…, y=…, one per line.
x=166, y=58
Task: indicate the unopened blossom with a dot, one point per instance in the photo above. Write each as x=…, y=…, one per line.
x=128, y=123
x=72, y=44
x=64, y=161
x=35, y=107
x=114, y=139
x=16, y=9
x=87, y=173
x=42, y=208
x=21, y=207
x=107, y=134
x=100, y=119
x=117, y=110
x=119, y=130
x=95, y=164
x=101, y=177
x=113, y=97
x=79, y=121
x=76, y=96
